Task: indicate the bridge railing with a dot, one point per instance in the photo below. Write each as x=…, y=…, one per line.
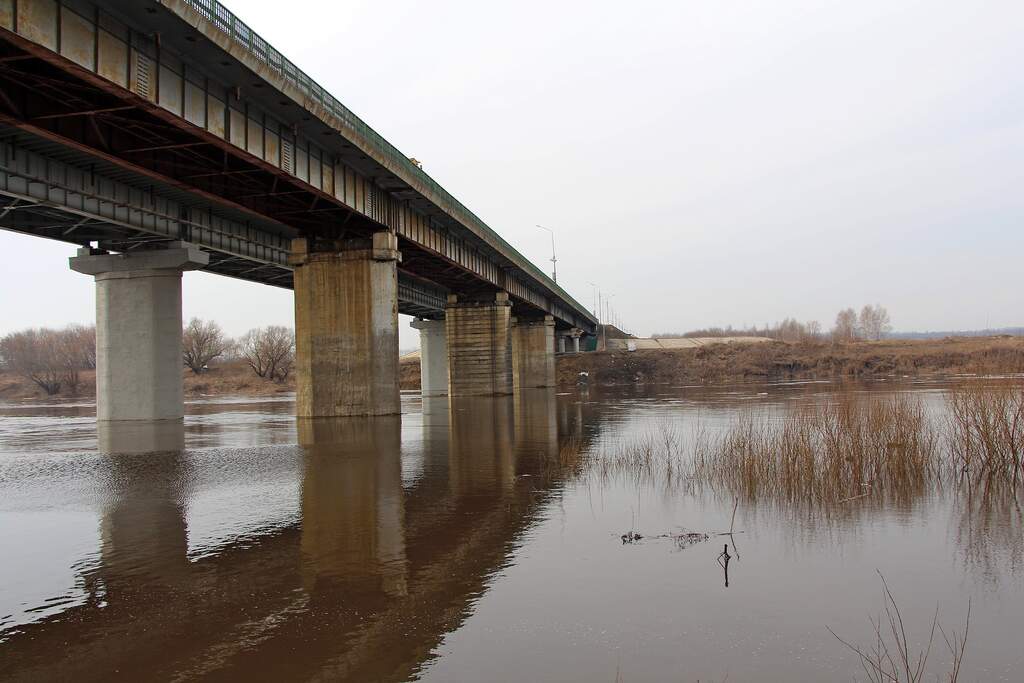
x=240, y=33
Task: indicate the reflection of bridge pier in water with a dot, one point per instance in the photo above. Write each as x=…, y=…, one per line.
x=536, y=424
x=363, y=588
x=143, y=529
x=480, y=457
x=352, y=501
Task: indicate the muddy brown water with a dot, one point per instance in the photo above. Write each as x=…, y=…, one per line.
x=468, y=542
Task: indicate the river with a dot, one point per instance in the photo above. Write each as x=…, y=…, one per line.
x=470, y=541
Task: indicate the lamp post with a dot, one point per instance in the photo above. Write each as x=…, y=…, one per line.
x=554, y=260
x=594, y=290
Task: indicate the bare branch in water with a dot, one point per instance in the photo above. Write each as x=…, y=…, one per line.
x=891, y=658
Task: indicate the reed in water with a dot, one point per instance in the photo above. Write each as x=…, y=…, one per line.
x=822, y=453
x=839, y=450
x=985, y=432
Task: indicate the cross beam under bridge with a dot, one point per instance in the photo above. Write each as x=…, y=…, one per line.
x=70, y=197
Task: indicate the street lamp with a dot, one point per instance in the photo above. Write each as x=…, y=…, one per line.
x=596, y=292
x=554, y=261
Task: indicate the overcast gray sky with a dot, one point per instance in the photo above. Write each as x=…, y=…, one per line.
x=709, y=163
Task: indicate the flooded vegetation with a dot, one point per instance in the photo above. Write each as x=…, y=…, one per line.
x=687, y=533
x=986, y=431
x=835, y=452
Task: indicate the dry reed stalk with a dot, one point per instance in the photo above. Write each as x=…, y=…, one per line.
x=986, y=431
x=890, y=658
x=826, y=453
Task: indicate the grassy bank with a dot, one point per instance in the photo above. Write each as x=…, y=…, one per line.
x=780, y=360
x=708, y=365
x=233, y=378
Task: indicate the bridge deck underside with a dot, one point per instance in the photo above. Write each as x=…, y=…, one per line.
x=51, y=98
x=69, y=197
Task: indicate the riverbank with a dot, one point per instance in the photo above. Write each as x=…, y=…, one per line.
x=225, y=379
x=808, y=360
x=704, y=365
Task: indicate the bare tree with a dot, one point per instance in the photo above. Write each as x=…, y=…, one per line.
x=34, y=354
x=845, y=329
x=82, y=344
x=874, y=322
x=201, y=342
x=52, y=359
x=76, y=346
x=66, y=346
x=789, y=330
x=270, y=351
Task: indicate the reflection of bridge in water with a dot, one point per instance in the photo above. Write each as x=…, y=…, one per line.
x=363, y=588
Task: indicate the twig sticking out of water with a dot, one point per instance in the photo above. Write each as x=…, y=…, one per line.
x=890, y=660
x=723, y=560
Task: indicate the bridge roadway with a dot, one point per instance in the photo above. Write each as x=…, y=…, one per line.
x=364, y=588
x=132, y=127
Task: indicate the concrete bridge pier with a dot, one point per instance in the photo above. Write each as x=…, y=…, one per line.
x=576, y=334
x=433, y=356
x=346, y=327
x=569, y=340
x=533, y=353
x=479, y=345
x=138, y=329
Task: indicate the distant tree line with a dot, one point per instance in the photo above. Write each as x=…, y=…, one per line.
x=790, y=330
x=269, y=351
x=871, y=324
x=54, y=359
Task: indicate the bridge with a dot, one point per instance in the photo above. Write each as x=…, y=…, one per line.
x=165, y=136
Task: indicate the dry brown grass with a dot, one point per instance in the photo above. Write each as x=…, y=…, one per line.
x=222, y=379
x=409, y=374
x=809, y=454
x=888, y=451
x=986, y=431
x=822, y=453
x=656, y=457
x=779, y=360
x=14, y=387
x=234, y=378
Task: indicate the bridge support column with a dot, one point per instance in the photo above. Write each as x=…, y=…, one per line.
x=561, y=343
x=433, y=356
x=479, y=346
x=138, y=330
x=576, y=334
x=346, y=327
x=533, y=353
